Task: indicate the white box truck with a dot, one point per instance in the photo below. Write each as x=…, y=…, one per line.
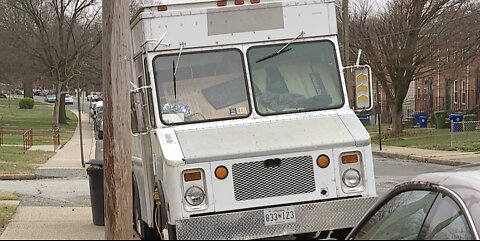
x=241, y=122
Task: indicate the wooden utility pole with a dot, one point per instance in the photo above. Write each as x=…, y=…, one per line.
x=346, y=33
x=346, y=46
x=117, y=139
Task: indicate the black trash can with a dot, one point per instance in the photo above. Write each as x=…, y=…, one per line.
x=95, y=178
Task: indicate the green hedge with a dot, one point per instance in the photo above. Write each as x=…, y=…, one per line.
x=26, y=103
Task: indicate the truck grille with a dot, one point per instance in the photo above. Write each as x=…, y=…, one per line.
x=261, y=179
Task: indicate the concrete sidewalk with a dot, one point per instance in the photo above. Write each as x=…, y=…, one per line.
x=67, y=160
x=52, y=223
x=451, y=158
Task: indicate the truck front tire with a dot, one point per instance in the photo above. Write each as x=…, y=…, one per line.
x=142, y=229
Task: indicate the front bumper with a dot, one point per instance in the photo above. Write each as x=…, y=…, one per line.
x=311, y=217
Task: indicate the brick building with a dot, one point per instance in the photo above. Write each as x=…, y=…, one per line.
x=449, y=89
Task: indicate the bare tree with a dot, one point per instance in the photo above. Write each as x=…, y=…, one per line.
x=135, y=5
x=65, y=32
x=16, y=65
x=402, y=42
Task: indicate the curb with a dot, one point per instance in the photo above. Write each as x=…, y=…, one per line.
x=57, y=172
x=15, y=177
x=10, y=202
x=39, y=175
x=420, y=159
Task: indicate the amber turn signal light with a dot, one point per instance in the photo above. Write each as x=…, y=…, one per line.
x=350, y=159
x=162, y=8
x=221, y=172
x=192, y=176
x=323, y=161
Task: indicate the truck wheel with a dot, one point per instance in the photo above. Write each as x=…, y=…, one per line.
x=168, y=232
x=142, y=229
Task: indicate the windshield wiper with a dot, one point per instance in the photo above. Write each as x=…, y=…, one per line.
x=174, y=80
x=175, y=68
x=284, y=49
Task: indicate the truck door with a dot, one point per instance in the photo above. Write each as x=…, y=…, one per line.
x=142, y=128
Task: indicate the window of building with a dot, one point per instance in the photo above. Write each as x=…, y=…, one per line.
x=425, y=89
x=464, y=93
x=419, y=89
x=447, y=57
x=455, y=92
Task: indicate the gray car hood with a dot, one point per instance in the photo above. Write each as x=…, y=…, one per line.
x=272, y=138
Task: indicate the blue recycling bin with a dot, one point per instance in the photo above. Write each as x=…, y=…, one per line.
x=423, y=121
x=456, y=122
x=416, y=117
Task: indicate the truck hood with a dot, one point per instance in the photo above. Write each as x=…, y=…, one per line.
x=272, y=138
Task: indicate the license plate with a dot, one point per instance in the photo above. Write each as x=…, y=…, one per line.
x=276, y=216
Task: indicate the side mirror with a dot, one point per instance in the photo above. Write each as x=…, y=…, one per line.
x=138, y=105
x=363, y=88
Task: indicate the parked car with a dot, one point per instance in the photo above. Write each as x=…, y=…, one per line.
x=94, y=96
x=98, y=124
x=436, y=206
x=51, y=98
x=68, y=100
x=3, y=96
x=37, y=92
x=95, y=108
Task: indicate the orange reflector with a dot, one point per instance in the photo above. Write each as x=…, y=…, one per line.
x=192, y=176
x=239, y=2
x=323, y=161
x=349, y=159
x=221, y=172
x=222, y=3
x=254, y=1
x=162, y=8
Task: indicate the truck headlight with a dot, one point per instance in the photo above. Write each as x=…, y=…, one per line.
x=351, y=178
x=195, y=196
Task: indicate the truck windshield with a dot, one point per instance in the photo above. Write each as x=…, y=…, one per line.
x=207, y=86
x=304, y=77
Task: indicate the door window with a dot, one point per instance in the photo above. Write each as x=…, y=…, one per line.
x=401, y=218
x=446, y=221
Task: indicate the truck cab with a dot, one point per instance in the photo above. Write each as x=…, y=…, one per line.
x=241, y=122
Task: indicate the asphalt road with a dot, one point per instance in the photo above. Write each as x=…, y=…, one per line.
x=389, y=172
x=84, y=104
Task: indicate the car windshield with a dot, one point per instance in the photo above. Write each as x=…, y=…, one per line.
x=302, y=77
x=201, y=86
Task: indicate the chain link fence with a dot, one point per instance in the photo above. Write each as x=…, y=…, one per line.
x=465, y=135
